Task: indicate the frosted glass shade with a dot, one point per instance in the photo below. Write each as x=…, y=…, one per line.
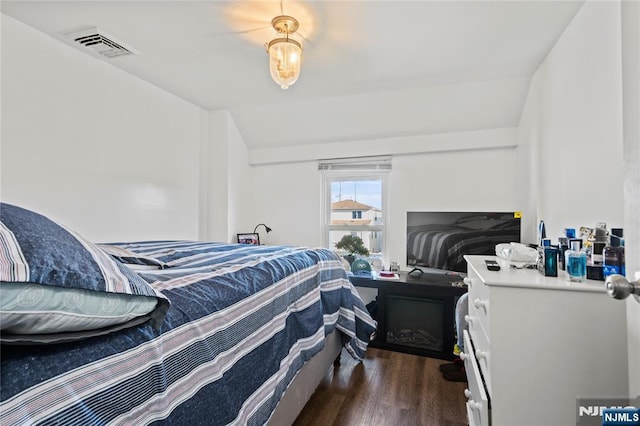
x=285, y=56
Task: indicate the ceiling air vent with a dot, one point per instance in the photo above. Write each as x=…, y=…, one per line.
x=101, y=43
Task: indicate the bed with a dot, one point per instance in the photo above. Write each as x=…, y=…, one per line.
x=443, y=246
x=197, y=333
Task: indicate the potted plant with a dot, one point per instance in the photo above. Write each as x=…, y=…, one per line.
x=352, y=245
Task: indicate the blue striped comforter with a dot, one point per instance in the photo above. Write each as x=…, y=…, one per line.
x=243, y=320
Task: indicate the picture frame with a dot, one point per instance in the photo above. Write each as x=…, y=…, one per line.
x=249, y=238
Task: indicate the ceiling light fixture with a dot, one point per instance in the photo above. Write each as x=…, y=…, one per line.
x=285, y=53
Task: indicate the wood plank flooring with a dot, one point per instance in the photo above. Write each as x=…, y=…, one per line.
x=387, y=388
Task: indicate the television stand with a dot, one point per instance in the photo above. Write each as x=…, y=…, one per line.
x=415, y=313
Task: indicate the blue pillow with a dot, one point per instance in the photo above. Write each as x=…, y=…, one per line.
x=36, y=251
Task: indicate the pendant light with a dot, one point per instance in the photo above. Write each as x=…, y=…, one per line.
x=285, y=53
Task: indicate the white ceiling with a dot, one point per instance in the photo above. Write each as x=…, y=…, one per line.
x=371, y=69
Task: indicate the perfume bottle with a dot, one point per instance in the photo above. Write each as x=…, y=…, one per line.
x=599, y=242
x=542, y=233
x=613, y=254
x=570, y=233
x=548, y=259
x=563, y=246
x=576, y=262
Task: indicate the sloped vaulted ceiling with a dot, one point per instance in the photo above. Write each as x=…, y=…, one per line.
x=371, y=69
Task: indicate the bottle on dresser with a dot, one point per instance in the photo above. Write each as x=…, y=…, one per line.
x=600, y=239
x=576, y=261
x=542, y=233
x=563, y=245
x=613, y=254
x=548, y=259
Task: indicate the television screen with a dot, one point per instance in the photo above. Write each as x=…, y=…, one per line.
x=440, y=239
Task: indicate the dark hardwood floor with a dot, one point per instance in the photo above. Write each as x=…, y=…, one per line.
x=387, y=388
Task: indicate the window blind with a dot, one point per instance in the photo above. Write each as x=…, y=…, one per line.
x=378, y=163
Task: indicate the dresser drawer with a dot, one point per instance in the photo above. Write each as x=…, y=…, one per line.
x=477, y=400
x=479, y=306
x=481, y=349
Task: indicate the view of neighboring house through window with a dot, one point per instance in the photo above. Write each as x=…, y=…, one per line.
x=354, y=205
x=350, y=216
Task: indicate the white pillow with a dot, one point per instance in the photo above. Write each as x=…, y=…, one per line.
x=27, y=308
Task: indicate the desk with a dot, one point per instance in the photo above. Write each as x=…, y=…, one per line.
x=415, y=314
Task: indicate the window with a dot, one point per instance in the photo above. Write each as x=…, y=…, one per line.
x=354, y=196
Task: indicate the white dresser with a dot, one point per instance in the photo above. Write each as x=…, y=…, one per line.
x=536, y=343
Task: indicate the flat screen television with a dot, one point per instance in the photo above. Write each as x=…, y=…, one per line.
x=440, y=239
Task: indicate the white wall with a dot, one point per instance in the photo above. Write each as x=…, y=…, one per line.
x=225, y=181
x=287, y=198
x=105, y=153
x=241, y=213
x=472, y=180
x=472, y=171
x=572, y=124
x=215, y=179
